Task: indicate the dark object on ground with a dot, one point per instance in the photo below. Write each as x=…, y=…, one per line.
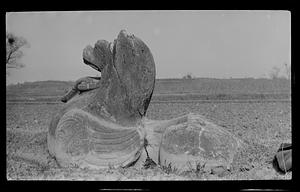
x=285, y=146
x=283, y=159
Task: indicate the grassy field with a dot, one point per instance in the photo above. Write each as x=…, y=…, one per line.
x=261, y=124
x=169, y=89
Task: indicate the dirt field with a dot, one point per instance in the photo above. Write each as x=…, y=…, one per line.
x=261, y=125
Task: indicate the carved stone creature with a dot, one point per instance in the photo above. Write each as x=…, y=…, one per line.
x=107, y=126
x=103, y=127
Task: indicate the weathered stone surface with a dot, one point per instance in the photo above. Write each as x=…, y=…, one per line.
x=82, y=84
x=197, y=141
x=154, y=135
x=95, y=58
x=88, y=83
x=103, y=127
x=127, y=82
x=107, y=126
x=88, y=56
x=99, y=56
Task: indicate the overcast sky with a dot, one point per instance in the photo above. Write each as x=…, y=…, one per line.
x=218, y=44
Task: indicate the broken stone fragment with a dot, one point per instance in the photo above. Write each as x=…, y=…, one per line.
x=197, y=141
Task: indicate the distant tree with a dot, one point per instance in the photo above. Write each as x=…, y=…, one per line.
x=13, y=50
x=187, y=76
x=274, y=74
x=288, y=71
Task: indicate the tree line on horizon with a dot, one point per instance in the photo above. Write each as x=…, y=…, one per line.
x=275, y=73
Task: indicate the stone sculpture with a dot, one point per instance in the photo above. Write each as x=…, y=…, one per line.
x=103, y=127
x=107, y=127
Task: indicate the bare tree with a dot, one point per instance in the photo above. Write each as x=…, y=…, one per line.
x=188, y=76
x=13, y=50
x=288, y=71
x=274, y=74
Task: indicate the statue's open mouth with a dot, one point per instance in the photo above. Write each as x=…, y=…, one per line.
x=91, y=65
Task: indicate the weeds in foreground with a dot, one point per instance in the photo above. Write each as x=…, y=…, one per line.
x=169, y=169
x=194, y=171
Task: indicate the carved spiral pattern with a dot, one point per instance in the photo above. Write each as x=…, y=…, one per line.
x=84, y=139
